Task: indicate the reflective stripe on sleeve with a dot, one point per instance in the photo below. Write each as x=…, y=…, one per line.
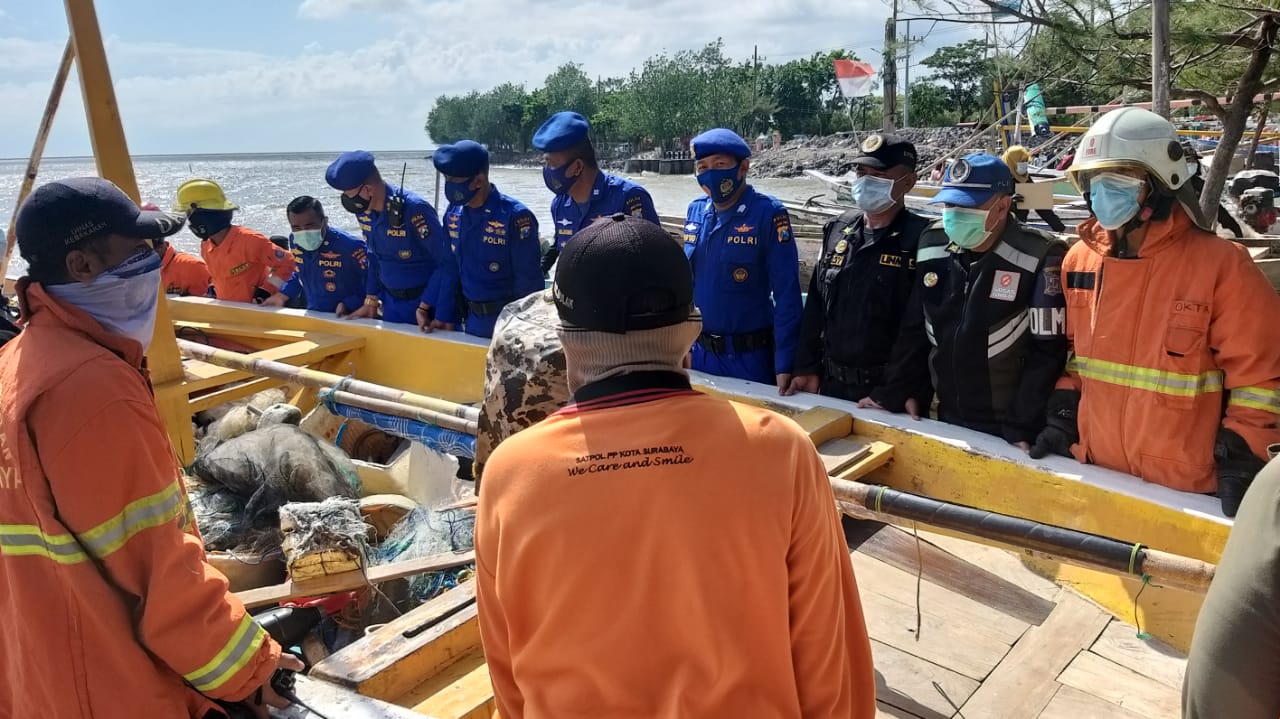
x=1267, y=400
x=1146, y=378
x=234, y=655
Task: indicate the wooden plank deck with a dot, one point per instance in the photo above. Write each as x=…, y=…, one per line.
x=972, y=661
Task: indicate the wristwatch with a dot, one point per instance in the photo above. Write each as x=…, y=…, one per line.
x=371, y=301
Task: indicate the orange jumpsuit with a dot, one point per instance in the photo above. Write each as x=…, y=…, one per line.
x=183, y=274
x=107, y=607
x=1158, y=340
x=245, y=261
x=657, y=552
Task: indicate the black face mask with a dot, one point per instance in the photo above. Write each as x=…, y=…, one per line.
x=354, y=204
x=207, y=223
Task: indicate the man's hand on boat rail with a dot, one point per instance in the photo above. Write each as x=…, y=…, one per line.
x=911, y=405
x=367, y=310
x=277, y=300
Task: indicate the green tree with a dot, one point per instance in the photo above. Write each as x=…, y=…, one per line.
x=569, y=88
x=963, y=69
x=931, y=105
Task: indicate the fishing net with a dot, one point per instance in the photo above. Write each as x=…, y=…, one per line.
x=525, y=379
x=236, y=418
x=244, y=481
x=424, y=532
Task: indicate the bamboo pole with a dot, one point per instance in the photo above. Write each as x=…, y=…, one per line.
x=323, y=380
x=1057, y=543
x=37, y=149
x=398, y=409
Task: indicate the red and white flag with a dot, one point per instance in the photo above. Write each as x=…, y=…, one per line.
x=854, y=77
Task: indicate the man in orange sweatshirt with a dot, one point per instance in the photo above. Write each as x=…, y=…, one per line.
x=107, y=607
x=652, y=551
x=244, y=264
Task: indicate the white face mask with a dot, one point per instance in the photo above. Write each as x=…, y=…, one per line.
x=873, y=194
x=123, y=299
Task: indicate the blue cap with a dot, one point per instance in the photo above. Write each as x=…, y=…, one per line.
x=350, y=170
x=60, y=215
x=466, y=158
x=974, y=179
x=562, y=131
x=719, y=141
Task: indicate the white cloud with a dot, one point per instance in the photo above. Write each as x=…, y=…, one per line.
x=178, y=97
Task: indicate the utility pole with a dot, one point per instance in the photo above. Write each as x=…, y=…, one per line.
x=890, y=70
x=1160, y=57
x=906, y=79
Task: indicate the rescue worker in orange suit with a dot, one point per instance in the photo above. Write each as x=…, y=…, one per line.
x=1235, y=652
x=411, y=271
x=331, y=264
x=181, y=273
x=244, y=265
x=1175, y=368
x=107, y=606
x=585, y=609
x=1019, y=162
x=863, y=283
x=987, y=322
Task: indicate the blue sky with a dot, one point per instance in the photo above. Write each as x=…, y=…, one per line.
x=324, y=75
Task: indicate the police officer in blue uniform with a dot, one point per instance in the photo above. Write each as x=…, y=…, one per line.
x=989, y=316
x=331, y=264
x=494, y=238
x=583, y=194
x=410, y=268
x=746, y=272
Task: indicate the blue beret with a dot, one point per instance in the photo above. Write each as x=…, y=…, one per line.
x=466, y=158
x=562, y=131
x=717, y=141
x=974, y=179
x=350, y=170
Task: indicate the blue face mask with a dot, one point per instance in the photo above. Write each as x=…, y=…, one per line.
x=965, y=227
x=308, y=240
x=720, y=184
x=460, y=193
x=123, y=299
x=1114, y=199
x=557, y=178
x=873, y=194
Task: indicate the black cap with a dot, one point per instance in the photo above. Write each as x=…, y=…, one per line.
x=60, y=215
x=622, y=274
x=883, y=151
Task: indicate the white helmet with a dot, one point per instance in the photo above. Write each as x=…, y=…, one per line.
x=1134, y=137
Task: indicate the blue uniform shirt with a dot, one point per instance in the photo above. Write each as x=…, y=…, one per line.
x=497, y=251
x=741, y=258
x=332, y=274
x=609, y=196
x=412, y=258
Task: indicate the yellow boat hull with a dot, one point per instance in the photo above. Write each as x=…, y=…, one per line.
x=929, y=458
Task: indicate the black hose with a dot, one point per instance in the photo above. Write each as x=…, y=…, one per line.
x=1058, y=541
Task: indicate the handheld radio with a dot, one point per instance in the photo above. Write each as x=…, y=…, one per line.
x=395, y=203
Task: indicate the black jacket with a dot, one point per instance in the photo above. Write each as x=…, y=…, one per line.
x=858, y=293
x=989, y=330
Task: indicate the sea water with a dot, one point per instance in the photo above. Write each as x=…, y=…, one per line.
x=262, y=185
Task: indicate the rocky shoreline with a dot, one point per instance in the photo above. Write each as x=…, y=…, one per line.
x=830, y=154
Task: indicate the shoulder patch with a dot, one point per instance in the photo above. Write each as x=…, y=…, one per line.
x=782, y=227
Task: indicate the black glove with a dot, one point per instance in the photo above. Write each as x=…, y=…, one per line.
x=259, y=295
x=1237, y=465
x=1060, y=430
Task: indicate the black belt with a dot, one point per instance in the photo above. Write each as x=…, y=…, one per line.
x=746, y=342
x=412, y=293
x=861, y=376
x=486, y=309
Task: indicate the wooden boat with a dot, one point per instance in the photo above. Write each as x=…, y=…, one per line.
x=1037, y=648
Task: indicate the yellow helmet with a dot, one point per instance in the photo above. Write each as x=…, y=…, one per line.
x=200, y=194
x=1017, y=156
